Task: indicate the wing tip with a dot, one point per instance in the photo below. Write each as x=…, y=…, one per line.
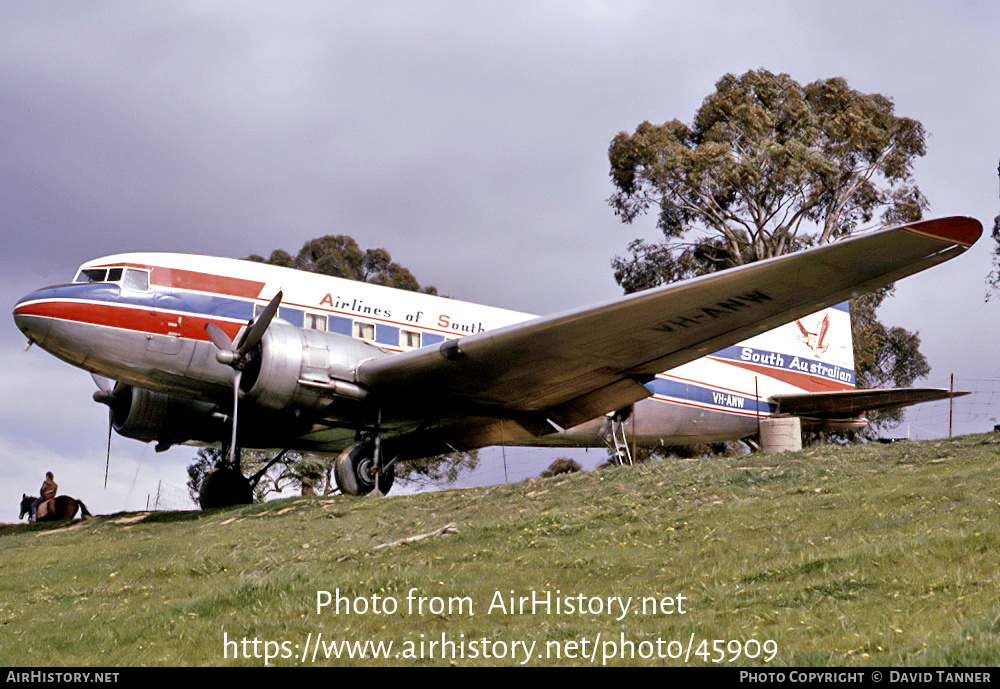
x=954, y=230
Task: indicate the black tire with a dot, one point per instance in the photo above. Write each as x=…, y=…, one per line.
x=225, y=488
x=353, y=470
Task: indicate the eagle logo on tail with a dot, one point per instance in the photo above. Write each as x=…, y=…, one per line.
x=815, y=341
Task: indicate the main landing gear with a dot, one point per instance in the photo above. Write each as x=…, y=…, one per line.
x=355, y=470
x=225, y=487
x=361, y=468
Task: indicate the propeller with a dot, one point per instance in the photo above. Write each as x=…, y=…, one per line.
x=105, y=395
x=235, y=355
x=105, y=389
x=377, y=455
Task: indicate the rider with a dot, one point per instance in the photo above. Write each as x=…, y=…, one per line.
x=48, y=490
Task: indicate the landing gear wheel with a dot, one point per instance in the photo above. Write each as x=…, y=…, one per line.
x=225, y=488
x=355, y=471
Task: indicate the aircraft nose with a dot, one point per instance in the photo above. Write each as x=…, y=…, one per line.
x=30, y=318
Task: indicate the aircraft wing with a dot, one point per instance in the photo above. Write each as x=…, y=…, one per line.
x=574, y=366
x=845, y=404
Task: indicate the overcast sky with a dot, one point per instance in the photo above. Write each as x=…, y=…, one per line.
x=468, y=139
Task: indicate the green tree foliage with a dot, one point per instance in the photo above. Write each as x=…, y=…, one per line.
x=884, y=357
x=993, y=281
x=437, y=470
x=563, y=465
x=765, y=161
x=340, y=256
x=767, y=167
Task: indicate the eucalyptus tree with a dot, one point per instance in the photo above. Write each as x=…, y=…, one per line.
x=767, y=167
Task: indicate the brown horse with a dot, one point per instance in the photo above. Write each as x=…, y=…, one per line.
x=62, y=507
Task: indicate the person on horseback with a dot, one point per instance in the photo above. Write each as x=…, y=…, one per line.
x=48, y=491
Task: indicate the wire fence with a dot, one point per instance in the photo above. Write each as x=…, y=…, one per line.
x=169, y=498
x=976, y=412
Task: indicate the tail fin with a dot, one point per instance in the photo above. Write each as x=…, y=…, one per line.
x=812, y=354
x=817, y=356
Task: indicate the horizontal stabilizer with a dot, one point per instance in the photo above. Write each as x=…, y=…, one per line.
x=850, y=403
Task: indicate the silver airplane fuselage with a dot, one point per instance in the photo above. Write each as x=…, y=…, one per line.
x=140, y=320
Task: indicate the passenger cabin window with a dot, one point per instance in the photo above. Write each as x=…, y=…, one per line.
x=409, y=338
x=365, y=331
x=315, y=321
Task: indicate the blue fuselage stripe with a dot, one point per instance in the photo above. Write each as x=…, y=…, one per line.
x=665, y=387
x=159, y=298
x=786, y=362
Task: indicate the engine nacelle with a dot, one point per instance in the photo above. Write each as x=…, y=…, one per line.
x=147, y=415
x=297, y=367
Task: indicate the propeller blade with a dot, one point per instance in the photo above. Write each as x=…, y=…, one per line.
x=377, y=455
x=106, y=389
x=107, y=462
x=236, y=406
x=235, y=355
x=256, y=331
x=218, y=338
x=106, y=385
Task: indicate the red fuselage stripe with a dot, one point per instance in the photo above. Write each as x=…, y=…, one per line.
x=189, y=326
x=197, y=281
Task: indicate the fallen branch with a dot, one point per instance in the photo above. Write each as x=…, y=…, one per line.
x=444, y=530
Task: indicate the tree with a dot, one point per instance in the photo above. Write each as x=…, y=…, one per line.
x=883, y=356
x=993, y=281
x=339, y=256
x=563, y=465
x=766, y=168
x=436, y=470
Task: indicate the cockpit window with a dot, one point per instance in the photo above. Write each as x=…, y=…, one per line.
x=130, y=278
x=92, y=275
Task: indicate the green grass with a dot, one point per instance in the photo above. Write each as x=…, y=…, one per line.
x=852, y=556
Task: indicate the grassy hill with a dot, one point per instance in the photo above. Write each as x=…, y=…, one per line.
x=864, y=555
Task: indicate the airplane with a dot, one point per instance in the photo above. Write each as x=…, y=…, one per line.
x=205, y=350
